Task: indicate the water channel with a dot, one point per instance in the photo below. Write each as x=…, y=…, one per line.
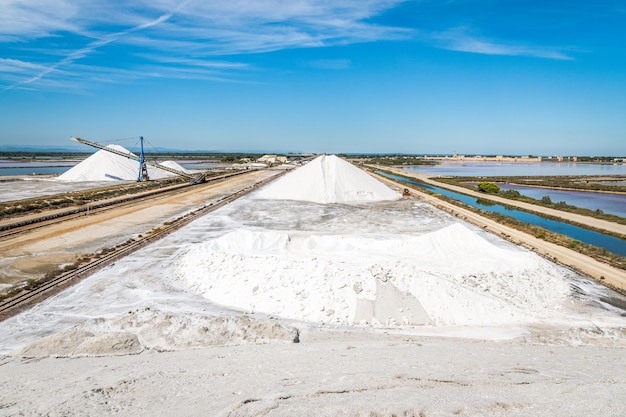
x=608, y=203
x=517, y=169
x=610, y=243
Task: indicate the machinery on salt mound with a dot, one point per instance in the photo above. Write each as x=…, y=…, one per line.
x=142, y=175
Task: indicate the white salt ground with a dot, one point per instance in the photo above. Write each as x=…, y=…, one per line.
x=362, y=269
x=107, y=166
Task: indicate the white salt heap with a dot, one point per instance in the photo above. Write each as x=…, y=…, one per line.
x=449, y=277
x=370, y=272
x=107, y=166
x=328, y=179
x=388, y=267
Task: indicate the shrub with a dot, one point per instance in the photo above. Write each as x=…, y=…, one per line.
x=510, y=193
x=546, y=199
x=488, y=187
x=573, y=244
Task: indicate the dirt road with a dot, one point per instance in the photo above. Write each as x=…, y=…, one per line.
x=605, y=274
x=31, y=255
x=573, y=217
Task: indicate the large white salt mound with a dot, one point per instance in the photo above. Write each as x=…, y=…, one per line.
x=107, y=166
x=328, y=179
x=448, y=277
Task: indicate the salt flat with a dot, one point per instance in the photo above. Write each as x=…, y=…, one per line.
x=368, y=288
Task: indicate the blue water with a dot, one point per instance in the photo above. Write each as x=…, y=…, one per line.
x=608, y=203
x=610, y=243
x=34, y=170
x=203, y=166
x=40, y=168
x=512, y=169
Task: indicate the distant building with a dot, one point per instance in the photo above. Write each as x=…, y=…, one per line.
x=267, y=159
x=272, y=159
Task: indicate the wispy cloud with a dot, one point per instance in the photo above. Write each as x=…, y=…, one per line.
x=64, y=42
x=82, y=52
x=28, y=19
x=175, y=30
x=462, y=40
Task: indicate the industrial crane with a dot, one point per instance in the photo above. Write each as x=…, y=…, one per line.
x=143, y=170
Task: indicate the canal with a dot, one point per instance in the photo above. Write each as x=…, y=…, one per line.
x=610, y=243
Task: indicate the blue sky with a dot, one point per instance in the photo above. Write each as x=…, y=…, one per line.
x=473, y=77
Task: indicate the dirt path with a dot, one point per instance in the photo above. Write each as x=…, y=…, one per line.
x=33, y=254
x=573, y=217
x=603, y=273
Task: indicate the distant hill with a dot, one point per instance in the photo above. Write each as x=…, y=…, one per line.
x=39, y=149
x=88, y=149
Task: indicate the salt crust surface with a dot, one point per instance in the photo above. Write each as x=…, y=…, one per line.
x=389, y=263
x=107, y=166
x=328, y=179
x=379, y=265
x=142, y=329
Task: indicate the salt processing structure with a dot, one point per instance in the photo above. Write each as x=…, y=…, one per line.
x=142, y=174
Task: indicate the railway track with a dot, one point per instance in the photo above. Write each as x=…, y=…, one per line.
x=32, y=296
x=29, y=224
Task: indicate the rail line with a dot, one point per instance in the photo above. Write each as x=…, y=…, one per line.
x=28, y=298
x=93, y=208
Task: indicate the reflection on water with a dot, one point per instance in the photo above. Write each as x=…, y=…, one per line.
x=608, y=203
x=513, y=169
x=610, y=243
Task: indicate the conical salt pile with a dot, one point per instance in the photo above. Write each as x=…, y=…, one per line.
x=107, y=166
x=328, y=179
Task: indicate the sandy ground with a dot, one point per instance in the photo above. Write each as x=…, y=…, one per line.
x=33, y=254
x=613, y=277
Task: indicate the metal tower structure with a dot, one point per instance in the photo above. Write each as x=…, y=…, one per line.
x=194, y=178
x=143, y=169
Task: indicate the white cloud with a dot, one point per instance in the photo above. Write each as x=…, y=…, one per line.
x=460, y=40
x=21, y=19
x=183, y=38
x=202, y=29
x=15, y=65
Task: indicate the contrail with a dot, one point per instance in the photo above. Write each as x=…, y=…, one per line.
x=81, y=53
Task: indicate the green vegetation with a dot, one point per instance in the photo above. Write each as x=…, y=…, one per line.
x=388, y=160
x=595, y=252
x=79, y=198
x=585, y=183
x=546, y=201
x=150, y=156
x=488, y=187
